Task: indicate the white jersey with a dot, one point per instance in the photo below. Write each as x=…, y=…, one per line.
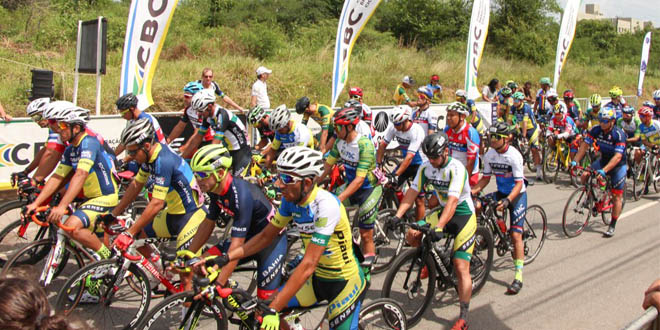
x=409, y=141
x=507, y=168
x=450, y=180
x=427, y=119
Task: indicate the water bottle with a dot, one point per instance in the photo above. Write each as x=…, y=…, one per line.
x=501, y=224
x=442, y=252
x=399, y=195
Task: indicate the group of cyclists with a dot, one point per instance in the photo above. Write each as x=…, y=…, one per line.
x=440, y=167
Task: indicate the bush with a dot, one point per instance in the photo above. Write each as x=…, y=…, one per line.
x=262, y=41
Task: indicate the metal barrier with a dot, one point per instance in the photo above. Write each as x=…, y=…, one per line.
x=648, y=321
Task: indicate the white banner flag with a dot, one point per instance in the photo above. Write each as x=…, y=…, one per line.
x=646, y=49
x=354, y=17
x=475, y=45
x=148, y=21
x=566, y=34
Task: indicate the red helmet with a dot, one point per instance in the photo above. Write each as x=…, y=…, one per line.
x=435, y=77
x=568, y=94
x=645, y=111
x=355, y=91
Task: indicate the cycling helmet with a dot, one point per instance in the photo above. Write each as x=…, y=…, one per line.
x=606, y=113
x=628, y=110
x=459, y=107
x=545, y=81
x=552, y=93
x=428, y=93
x=461, y=93
x=435, y=144
x=518, y=96
x=648, y=104
x=302, y=104
x=656, y=95
x=352, y=103
x=37, y=106
x=595, y=100
x=210, y=158
x=55, y=109
x=127, y=101
x=347, y=116
x=568, y=94
x=506, y=91
x=435, y=77
x=138, y=132
x=644, y=111
x=559, y=108
x=400, y=114
x=512, y=84
x=615, y=91
x=75, y=115
x=193, y=87
x=255, y=115
x=301, y=162
x=355, y=91
x=201, y=100
x=280, y=117
x=500, y=128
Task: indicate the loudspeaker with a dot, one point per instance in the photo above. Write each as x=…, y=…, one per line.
x=88, y=36
x=42, y=84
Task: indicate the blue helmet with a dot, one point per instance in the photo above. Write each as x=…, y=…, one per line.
x=193, y=87
x=607, y=113
x=427, y=92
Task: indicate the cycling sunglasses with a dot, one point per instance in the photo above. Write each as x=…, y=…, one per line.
x=202, y=175
x=355, y=97
x=37, y=118
x=494, y=136
x=288, y=179
x=124, y=111
x=62, y=125
x=398, y=124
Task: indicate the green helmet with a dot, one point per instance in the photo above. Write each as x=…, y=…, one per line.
x=255, y=115
x=210, y=158
x=518, y=96
x=545, y=81
x=595, y=100
x=506, y=91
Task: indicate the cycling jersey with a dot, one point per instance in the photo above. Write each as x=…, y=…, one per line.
x=400, y=95
x=656, y=112
x=192, y=116
x=358, y=157
x=618, y=107
x=449, y=180
x=474, y=118
x=609, y=143
x=464, y=145
x=524, y=113
x=574, y=109
x=55, y=142
x=426, y=118
x=228, y=129
x=409, y=141
x=299, y=135
x=631, y=128
x=322, y=116
x=651, y=133
x=507, y=168
x=591, y=117
x=173, y=180
x=437, y=91
x=563, y=124
x=365, y=130
x=266, y=133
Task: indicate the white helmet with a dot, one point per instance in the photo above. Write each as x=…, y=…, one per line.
x=461, y=93
x=138, y=132
x=299, y=161
x=75, y=115
x=202, y=99
x=656, y=94
x=459, y=107
x=37, y=106
x=401, y=113
x=279, y=118
x=54, y=110
x=552, y=93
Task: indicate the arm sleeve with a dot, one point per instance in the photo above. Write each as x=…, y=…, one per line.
x=276, y=142
x=54, y=142
x=143, y=174
x=488, y=171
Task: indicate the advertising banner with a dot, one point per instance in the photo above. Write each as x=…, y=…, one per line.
x=148, y=21
x=646, y=49
x=354, y=17
x=475, y=46
x=566, y=34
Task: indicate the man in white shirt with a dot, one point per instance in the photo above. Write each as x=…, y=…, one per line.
x=260, y=89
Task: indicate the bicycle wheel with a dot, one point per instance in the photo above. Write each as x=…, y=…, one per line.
x=389, y=241
x=482, y=258
x=168, y=314
x=577, y=212
x=382, y=313
x=123, y=310
x=534, y=231
x=655, y=174
x=549, y=164
x=12, y=236
x=406, y=284
x=637, y=180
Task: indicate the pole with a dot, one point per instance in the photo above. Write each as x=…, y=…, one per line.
x=76, y=74
x=99, y=35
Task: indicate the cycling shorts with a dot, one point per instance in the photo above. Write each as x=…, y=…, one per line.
x=517, y=210
x=92, y=208
x=462, y=227
x=617, y=176
x=368, y=201
x=240, y=160
x=269, y=263
x=182, y=226
x=409, y=173
x=533, y=138
x=344, y=297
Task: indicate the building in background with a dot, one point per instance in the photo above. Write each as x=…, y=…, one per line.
x=622, y=24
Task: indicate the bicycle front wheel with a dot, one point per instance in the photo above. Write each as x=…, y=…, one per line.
x=550, y=164
x=577, y=212
x=168, y=314
x=638, y=175
x=482, y=258
x=534, y=231
x=382, y=313
x=13, y=237
x=388, y=241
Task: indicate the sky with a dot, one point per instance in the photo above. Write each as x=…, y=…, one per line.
x=645, y=10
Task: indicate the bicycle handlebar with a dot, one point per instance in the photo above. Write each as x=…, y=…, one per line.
x=46, y=209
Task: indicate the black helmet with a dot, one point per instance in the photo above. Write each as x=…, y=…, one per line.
x=500, y=128
x=127, y=101
x=302, y=104
x=347, y=116
x=435, y=144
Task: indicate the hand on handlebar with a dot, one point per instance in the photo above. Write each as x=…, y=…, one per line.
x=503, y=204
x=56, y=214
x=437, y=234
x=124, y=240
x=28, y=210
x=601, y=173
x=573, y=163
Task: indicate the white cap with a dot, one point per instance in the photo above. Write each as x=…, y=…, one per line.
x=408, y=80
x=262, y=69
x=461, y=93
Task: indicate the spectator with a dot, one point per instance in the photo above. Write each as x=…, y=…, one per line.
x=23, y=305
x=4, y=115
x=434, y=86
x=208, y=83
x=527, y=90
x=260, y=89
x=489, y=93
x=652, y=296
x=400, y=94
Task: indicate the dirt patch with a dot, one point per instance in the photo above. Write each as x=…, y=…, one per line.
x=180, y=51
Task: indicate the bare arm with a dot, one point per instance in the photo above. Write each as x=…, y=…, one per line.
x=231, y=102
x=47, y=164
x=176, y=131
x=404, y=165
x=132, y=191
x=154, y=206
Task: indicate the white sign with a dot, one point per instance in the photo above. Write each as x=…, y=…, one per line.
x=646, y=49
x=566, y=34
x=475, y=46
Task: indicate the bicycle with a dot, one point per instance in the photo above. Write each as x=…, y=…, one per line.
x=535, y=228
x=587, y=201
x=436, y=259
x=652, y=176
x=522, y=145
x=638, y=171
x=555, y=160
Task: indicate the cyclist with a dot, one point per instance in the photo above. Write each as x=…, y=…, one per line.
x=617, y=102
x=87, y=168
x=590, y=118
x=649, y=131
x=400, y=95
x=228, y=129
x=528, y=128
x=512, y=85
x=409, y=136
x=630, y=124
x=127, y=105
x=363, y=128
x=356, y=93
x=463, y=140
x=191, y=116
x=175, y=207
x=561, y=126
x=448, y=179
x=546, y=111
x=475, y=117
x=356, y=152
x=322, y=114
x=507, y=165
x=611, y=141
x=423, y=115
x=434, y=86
x=505, y=100
x=258, y=118
x=573, y=106
x=288, y=133
x=233, y=197
x=329, y=269
x=541, y=95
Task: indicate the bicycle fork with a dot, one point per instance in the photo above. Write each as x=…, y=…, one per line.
x=55, y=257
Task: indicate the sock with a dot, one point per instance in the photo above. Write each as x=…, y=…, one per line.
x=613, y=223
x=464, y=310
x=519, y=268
x=103, y=252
